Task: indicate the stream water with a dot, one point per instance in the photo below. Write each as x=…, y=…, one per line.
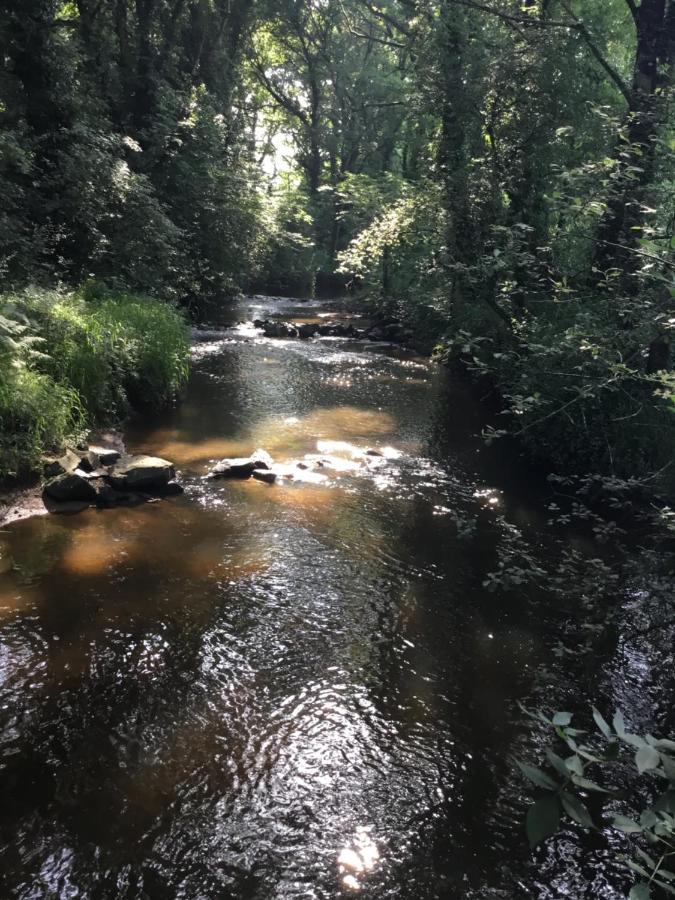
x=300, y=690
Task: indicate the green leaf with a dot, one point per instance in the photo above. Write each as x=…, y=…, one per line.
x=601, y=723
x=645, y=857
x=634, y=740
x=640, y=891
x=536, y=776
x=667, y=875
x=647, y=758
x=562, y=718
x=619, y=724
x=628, y=826
x=575, y=765
x=589, y=785
x=636, y=867
x=648, y=819
x=576, y=810
x=543, y=818
x=558, y=764
x=668, y=767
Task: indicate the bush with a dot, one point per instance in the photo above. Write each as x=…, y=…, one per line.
x=36, y=413
x=69, y=361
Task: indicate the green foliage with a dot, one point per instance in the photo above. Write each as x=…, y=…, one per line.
x=564, y=787
x=73, y=360
x=35, y=411
x=285, y=255
x=396, y=260
x=119, y=153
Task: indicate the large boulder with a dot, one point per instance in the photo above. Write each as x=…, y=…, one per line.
x=70, y=487
x=141, y=473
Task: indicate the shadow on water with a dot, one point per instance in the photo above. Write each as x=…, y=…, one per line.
x=298, y=690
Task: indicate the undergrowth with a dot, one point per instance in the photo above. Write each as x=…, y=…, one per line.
x=69, y=361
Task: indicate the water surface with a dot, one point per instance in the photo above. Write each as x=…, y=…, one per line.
x=304, y=690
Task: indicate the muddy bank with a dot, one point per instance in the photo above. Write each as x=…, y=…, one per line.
x=20, y=503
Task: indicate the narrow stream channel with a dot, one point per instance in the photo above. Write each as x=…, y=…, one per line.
x=298, y=690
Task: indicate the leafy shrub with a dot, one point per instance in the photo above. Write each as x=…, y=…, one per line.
x=35, y=412
x=285, y=258
x=577, y=768
x=72, y=360
x=396, y=261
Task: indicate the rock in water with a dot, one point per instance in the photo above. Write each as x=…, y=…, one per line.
x=262, y=459
x=171, y=489
x=70, y=486
x=242, y=467
x=141, y=473
x=306, y=331
x=62, y=466
x=106, y=456
x=264, y=475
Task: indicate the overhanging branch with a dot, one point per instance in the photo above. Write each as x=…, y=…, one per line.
x=574, y=25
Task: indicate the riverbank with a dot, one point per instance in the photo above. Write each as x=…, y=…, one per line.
x=74, y=360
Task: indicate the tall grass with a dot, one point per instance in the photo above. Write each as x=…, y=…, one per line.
x=98, y=355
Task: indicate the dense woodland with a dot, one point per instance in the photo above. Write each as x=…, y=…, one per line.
x=499, y=174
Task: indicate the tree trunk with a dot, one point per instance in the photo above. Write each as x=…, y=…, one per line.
x=144, y=93
x=453, y=152
x=621, y=226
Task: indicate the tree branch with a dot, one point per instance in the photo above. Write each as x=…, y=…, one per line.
x=575, y=25
x=289, y=105
x=514, y=20
x=385, y=17
x=387, y=42
x=593, y=47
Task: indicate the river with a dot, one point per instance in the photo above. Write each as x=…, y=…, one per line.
x=300, y=690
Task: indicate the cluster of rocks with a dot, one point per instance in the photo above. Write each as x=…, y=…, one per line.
x=261, y=466
x=105, y=477
x=389, y=330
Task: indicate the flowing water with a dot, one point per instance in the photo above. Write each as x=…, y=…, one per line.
x=300, y=690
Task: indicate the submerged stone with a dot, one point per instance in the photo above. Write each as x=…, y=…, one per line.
x=170, y=489
x=67, y=507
